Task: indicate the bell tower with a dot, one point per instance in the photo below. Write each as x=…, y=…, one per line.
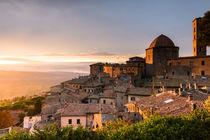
x=198, y=48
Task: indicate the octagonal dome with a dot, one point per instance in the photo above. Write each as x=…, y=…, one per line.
x=162, y=41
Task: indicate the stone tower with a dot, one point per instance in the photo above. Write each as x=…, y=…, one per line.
x=198, y=48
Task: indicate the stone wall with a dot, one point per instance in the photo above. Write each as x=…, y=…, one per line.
x=65, y=121
x=108, y=101
x=189, y=66
x=96, y=68
x=156, y=59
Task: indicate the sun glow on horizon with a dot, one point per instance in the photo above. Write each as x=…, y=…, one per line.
x=9, y=62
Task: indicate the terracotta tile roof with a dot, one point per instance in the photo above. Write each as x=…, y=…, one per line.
x=122, y=88
x=108, y=93
x=97, y=64
x=80, y=80
x=78, y=96
x=139, y=91
x=94, y=96
x=74, y=109
x=92, y=83
x=196, y=95
x=167, y=104
x=50, y=109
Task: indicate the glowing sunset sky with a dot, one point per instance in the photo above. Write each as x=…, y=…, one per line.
x=68, y=35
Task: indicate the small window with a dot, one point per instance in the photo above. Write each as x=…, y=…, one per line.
x=133, y=99
x=104, y=101
x=148, y=57
x=170, y=64
x=202, y=62
x=202, y=73
x=78, y=121
x=70, y=121
x=190, y=63
x=188, y=73
x=111, y=103
x=173, y=73
x=178, y=63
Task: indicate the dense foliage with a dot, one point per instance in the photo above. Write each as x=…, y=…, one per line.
x=31, y=105
x=5, y=119
x=28, y=105
x=195, y=126
x=207, y=104
x=204, y=27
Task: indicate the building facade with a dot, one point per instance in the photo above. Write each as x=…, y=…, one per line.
x=189, y=66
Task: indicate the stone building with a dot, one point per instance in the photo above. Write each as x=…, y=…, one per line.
x=115, y=70
x=135, y=67
x=88, y=84
x=81, y=114
x=197, y=65
x=160, y=50
x=96, y=68
x=198, y=48
x=189, y=66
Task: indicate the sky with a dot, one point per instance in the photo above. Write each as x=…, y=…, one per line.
x=68, y=35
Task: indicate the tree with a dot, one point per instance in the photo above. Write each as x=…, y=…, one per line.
x=21, y=117
x=38, y=106
x=5, y=119
x=207, y=104
x=204, y=27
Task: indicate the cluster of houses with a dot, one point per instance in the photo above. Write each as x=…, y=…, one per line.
x=91, y=101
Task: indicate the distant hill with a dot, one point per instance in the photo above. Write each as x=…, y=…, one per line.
x=20, y=83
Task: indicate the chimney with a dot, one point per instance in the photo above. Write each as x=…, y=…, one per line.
x=180, y=94
x=189, y=86
x=195, y=86
x=189, y=97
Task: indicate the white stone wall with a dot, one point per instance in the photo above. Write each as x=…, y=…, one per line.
x=65, y=121
x=30, y=121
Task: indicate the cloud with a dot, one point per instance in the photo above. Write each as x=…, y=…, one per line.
x=80, y=54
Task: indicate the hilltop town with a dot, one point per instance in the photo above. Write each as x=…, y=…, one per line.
x=161, y=83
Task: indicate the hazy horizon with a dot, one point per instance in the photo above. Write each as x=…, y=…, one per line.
x=22, y=83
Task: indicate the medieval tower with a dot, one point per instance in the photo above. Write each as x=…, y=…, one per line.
x=198, y=48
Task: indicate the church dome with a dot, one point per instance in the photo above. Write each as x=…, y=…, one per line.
x=162, y=41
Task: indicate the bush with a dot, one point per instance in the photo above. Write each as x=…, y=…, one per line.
x=195, y=126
